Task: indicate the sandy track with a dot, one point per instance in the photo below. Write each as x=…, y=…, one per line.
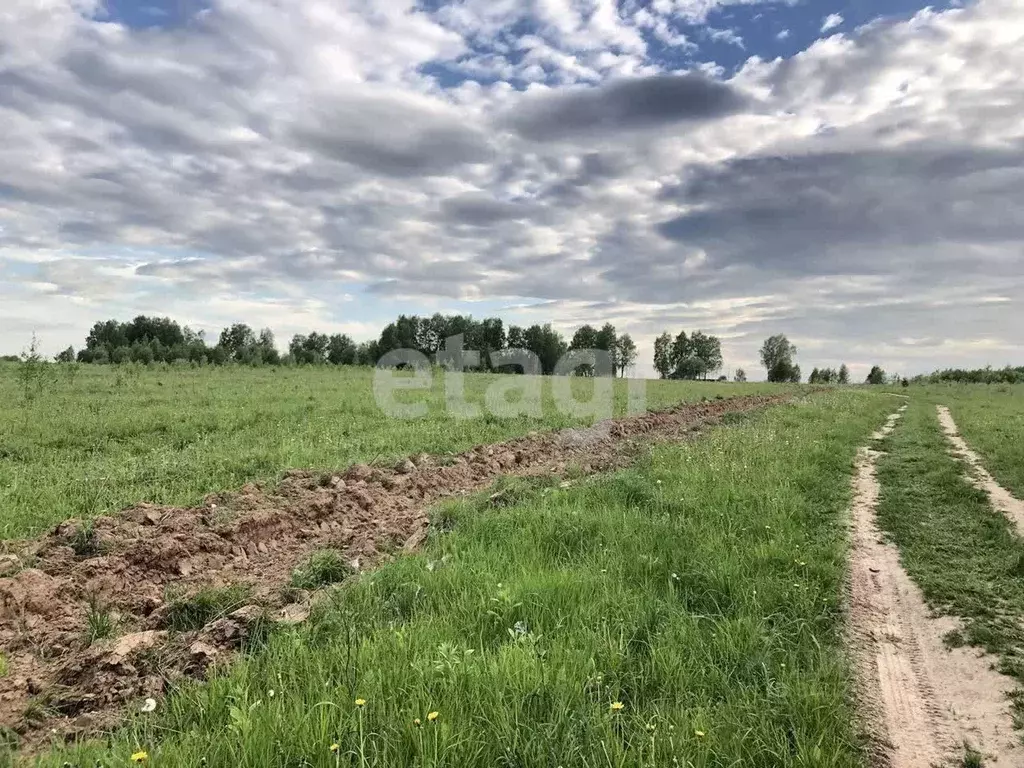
x=1000, y=498
x=921, y=701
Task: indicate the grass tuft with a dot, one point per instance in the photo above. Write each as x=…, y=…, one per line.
x=323, y=568
x=100, y=623
x=185, y=614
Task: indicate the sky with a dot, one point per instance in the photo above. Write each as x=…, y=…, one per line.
x=847, y=172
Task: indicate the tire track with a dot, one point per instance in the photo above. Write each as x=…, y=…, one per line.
x=1000, y=498
x=921, y=701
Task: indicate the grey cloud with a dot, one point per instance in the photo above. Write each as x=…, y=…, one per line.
x=393, y=137
x=800, y=212
x=480, y=210
x=636, y=103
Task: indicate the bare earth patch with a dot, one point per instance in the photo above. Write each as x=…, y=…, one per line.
x=922, y=701
x=1000, y=498
x=126, y=564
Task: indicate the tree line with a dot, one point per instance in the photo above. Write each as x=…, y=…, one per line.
x=987, y=375
x=154, y=339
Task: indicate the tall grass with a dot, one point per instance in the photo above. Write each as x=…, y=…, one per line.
x=685, y=613
x=111, y=436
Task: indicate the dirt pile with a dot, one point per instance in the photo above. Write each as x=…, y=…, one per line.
x=57, y=592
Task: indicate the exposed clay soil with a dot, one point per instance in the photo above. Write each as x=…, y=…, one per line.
x=255, y=536
x=922, y=701
x=1000, y=498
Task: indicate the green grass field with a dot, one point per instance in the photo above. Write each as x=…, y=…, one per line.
x=86, y=440
x=964, y=555
x=685, y=612
x=991, y=419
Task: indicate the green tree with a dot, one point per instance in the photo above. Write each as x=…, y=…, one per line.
x=235, y=339
x=341, y=350
x=663, y=355
x=777, y=356
x=547, y=344
x=67, y=356
x=876, y=375
x=815, y=377
x=625, y=353
x=708, y=349
x=843, y=377
x=680, y=350
x=516, y=337
x=740, y=376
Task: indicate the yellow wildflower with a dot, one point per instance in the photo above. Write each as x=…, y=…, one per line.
x=617, y=706
x=360, y=702
x=335, y=748
x=433, y=716
x=417, y=722
x=699, y=734
x=140, y=757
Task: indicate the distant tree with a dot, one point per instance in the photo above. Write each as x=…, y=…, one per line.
x=492, y=338
x=708, y=349
x=516, y=337
x=309, y=350
x=876, y=376
x=844, y=374
x=625, y=353
x=784, y=371
x=67, y=356
x=236, y=340
x=368, y=353
x=777, y=355
x=586, y=337
x=663, y=355
x=692, y=367
x=341, y=350
x=740, y=376
x=815, y=377
x=681, y=350
x=404, y=333
x=547, y=344
x=606, y=340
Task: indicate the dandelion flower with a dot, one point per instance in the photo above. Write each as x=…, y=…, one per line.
x=334, y=748
x=417, y=722
x=699, y=734
x=360, y=702
x=617, y=706
x=149, y=705
x=140, y=757
x=433, y=716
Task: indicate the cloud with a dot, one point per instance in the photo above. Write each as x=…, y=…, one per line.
x=268, y=159
x=831, y=21
x=622, y=105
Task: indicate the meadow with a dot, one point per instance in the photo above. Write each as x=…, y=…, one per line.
x=686, y=611
x=79, y=441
